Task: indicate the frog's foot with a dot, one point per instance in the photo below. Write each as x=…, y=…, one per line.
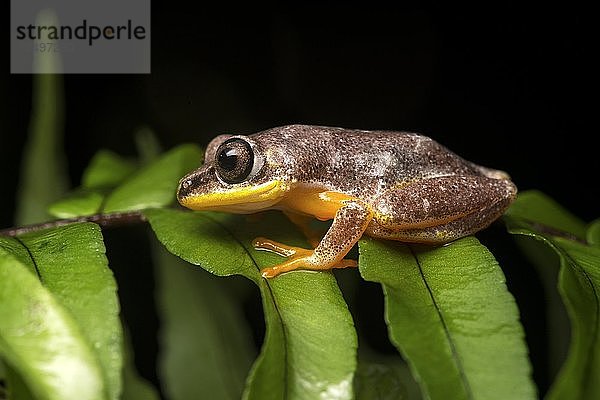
x=298, y=258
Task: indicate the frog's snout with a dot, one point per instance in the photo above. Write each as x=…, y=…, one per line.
x=184, y=188
x=193, y=185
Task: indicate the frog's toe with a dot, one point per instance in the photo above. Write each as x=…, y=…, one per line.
x=281, y=249
x=289, y=265
x=304, y=262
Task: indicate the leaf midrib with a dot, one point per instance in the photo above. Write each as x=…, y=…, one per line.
x=279, y=315
x=453, y=350
x=32, y=258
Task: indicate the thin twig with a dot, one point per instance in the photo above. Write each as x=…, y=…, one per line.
x=104, y=220
x=110, y=220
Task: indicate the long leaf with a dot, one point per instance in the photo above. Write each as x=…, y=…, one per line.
x=558, y=332
x=310, y=344
x=111, y=184
x=43, y=174
x=593, y=233
x=450, y=315
x=41, y=341
x=535, y=207
x=154, y=185
x=578, y=284
x=107, y=170
x=71, y=264
x=385, y=380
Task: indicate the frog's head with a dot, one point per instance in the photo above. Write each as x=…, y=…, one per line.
x=235, y=177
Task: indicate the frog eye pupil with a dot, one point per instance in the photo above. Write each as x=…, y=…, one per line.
x=234, y=160
x=228, y=159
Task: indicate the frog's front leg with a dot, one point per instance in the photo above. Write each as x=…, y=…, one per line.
x=349, y=223
x=303, y=223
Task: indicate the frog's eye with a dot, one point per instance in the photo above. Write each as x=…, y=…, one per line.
x=234, y=160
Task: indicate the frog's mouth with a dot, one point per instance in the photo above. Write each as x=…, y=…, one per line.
x=242, y=200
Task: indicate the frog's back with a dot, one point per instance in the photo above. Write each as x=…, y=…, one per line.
x=356, y=162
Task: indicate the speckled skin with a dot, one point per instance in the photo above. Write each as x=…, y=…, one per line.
x=394, y=185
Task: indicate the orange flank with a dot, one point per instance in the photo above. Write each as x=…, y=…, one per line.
x=313, y=201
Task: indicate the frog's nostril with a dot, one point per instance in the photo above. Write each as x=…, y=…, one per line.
x=185, y=187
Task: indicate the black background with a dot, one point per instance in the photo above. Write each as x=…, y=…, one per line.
x=508, y=87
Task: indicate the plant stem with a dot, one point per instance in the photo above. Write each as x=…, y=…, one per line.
x=110, y=220
x=104, y=220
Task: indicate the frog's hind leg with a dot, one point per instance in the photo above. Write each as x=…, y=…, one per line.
x=349, y=223
x=442, y=209
x=296, y=255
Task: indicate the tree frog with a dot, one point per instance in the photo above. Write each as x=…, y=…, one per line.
x=388, y=185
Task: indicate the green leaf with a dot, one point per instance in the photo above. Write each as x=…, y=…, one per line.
x=154, y=185
x=384, y=381
x=452, y=318
x=203, y=239
x=593, y=233
x=106, y=170
x=17, y=388
x=43, y=172
x=71, y=264
x=578, y=284
x=547, y=265
x=534, y=206
x=111, y=185
x=310, y=344
x=78, y=203
x=200, y=322
x=134, y=386
x=314, y=334
x=41, y=340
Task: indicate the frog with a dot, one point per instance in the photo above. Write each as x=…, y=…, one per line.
x=390, y=185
